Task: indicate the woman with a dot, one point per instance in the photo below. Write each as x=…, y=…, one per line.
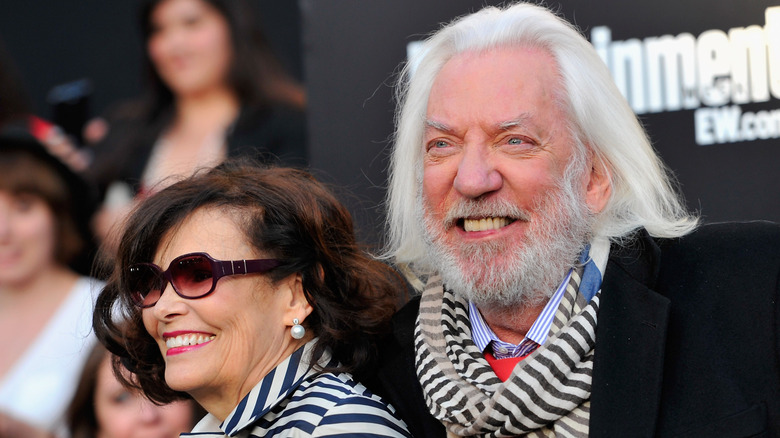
x=45, y=306
x=214, y=91
x=244, y=289
x=103, y=408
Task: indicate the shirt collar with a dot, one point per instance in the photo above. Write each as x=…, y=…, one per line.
x=483, y=335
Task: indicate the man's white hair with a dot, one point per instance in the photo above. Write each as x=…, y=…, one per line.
x=600, y=119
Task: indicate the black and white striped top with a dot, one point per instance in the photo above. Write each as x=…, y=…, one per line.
x=294, y=400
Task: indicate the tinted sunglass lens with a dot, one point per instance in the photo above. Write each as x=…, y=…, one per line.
x=146, y=284
x=192, y=276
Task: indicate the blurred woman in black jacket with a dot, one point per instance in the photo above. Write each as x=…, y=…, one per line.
x=215, y=90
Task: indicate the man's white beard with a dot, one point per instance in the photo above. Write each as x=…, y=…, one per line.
x=496, y=275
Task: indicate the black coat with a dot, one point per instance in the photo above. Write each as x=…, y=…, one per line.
x=687, y=341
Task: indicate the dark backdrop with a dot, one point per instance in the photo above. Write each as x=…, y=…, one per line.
x=348, y=51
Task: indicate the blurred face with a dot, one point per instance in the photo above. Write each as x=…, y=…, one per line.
x=27, y=237
x=503, y=222
x=190, y=46
x=218, y=347
x=121, y=413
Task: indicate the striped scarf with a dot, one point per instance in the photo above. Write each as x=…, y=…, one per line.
x=548, y=392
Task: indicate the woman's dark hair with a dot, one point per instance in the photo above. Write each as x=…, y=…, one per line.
x=255, y=75
x=285, y=214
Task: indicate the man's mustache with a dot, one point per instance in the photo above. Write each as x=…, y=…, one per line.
x=477, y=209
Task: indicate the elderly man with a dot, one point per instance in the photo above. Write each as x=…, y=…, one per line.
x=565, y=289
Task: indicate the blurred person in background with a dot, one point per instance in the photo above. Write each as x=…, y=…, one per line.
x=103, y=408
x=215, y=90
x=45, y=305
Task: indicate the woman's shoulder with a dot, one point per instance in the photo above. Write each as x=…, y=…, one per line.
x=347, y=406
x=341, y=384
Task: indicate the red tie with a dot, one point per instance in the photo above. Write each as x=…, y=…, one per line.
x=503, y=367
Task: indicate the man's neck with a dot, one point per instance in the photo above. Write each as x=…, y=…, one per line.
x=511, y=324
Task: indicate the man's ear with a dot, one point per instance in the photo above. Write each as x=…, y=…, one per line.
x=599, y=186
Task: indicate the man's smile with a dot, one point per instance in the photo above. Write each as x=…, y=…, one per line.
x=485, y=223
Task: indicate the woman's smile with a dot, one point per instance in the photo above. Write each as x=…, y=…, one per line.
x=179, y=342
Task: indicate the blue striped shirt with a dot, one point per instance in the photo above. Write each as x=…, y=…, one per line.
x=295, y=400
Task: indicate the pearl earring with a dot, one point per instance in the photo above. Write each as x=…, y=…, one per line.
x=297, y=331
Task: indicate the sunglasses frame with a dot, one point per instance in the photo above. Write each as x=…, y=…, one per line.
x=219, y=269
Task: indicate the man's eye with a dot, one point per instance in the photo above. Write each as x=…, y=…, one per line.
x=441, y=148
x=515, y=140
x=438, y=144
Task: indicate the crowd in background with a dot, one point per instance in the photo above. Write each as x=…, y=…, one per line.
x=213, y=90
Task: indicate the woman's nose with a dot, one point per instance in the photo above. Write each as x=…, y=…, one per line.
x=169, y=304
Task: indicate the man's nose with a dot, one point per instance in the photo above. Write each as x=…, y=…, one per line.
x=477, y=175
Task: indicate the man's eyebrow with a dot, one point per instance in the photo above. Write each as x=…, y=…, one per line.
x=438, y=126
x=521, y=120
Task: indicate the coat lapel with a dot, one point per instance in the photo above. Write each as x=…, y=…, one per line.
x=630, y=343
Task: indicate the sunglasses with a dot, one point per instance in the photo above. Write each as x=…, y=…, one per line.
x=192, y=276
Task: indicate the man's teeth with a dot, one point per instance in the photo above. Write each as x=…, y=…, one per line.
x=184, y=340
x=484, y=224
